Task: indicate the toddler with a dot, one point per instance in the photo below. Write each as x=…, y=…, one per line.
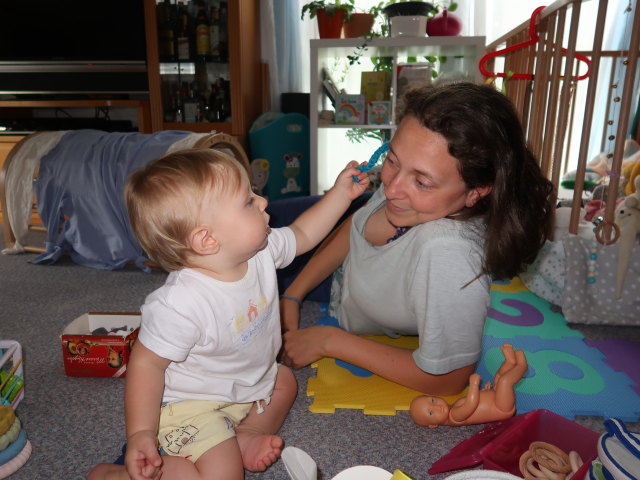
x=204, y=395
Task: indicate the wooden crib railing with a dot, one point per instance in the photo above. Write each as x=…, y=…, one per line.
x=540, y=75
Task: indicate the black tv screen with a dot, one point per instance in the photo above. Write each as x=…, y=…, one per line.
x=72, y=47
x=72, y=30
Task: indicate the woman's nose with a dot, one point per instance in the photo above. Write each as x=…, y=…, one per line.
x=395, y=185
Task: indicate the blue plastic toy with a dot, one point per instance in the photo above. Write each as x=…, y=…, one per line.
x=373, y=160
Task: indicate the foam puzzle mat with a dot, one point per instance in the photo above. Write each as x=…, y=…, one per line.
x=567, y=373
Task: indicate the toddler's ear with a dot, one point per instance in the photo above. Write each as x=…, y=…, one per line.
x=203, y=241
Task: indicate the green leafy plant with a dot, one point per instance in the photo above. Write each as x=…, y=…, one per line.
x=357, y=135
x=329, y=6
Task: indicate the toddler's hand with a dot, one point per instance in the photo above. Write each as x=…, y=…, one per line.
x=345, y=181
x=142, y=459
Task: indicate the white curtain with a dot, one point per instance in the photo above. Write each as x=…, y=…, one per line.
x=285, y=46
x=617, y=35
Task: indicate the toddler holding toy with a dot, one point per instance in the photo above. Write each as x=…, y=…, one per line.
x=462, y=202
x=203, y=383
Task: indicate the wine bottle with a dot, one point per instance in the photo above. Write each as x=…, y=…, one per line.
x=223, y=42
x=214, y=30
x=179, y=108
x=166, y=18
x=190, y=105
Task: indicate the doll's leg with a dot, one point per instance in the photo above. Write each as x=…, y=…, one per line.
x=504, y=387
x=259, y=445
x=509, y=362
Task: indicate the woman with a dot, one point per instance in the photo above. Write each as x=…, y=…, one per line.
x=462, y=203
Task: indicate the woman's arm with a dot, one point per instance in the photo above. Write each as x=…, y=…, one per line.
x=302, y=347
x=327, y=258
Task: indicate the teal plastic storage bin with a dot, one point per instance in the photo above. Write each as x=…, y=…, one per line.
x=280, y=155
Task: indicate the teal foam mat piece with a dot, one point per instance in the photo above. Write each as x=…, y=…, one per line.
x=524, y=313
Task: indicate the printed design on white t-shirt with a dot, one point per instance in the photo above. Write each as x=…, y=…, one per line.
x=248, y=323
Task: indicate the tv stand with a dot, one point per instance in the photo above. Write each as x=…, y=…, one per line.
x=142, y=107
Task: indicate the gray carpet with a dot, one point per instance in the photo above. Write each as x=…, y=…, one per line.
x=74, y=423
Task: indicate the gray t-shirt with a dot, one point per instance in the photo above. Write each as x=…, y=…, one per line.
x=415, y=285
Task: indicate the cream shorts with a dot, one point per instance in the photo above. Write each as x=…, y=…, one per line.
x=191, y=427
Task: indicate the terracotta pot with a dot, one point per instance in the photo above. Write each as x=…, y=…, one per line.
x=358, y=25
x=330, y=26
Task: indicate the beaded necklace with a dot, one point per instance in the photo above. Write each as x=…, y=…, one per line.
x=399, y=232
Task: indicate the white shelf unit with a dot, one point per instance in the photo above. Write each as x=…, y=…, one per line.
x=329, y=149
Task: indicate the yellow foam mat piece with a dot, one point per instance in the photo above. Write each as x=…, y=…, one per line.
x=514, y=286
x=336, y=387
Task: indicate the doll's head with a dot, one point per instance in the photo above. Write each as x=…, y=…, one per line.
x=429, y=411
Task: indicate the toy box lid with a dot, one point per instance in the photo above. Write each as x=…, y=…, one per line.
x=499, y=445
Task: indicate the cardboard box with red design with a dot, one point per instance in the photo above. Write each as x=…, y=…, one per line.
x=98, y=344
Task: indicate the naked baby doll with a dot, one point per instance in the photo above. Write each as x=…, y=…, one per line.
x=484, y=405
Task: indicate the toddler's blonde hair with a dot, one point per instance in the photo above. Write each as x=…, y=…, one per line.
x=164, y=199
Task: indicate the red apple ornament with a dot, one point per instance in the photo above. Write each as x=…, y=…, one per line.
x=444, y=24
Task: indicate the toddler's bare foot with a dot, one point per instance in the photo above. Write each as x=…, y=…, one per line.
x=258, y=450
x=107, y=471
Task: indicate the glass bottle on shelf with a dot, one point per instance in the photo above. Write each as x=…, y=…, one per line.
x=223, y=43
x=179, y=108
x=203, y=46
x=183, y=33
x=194, y=75
x=190, y=103
x=166, y=18
x=214, y=30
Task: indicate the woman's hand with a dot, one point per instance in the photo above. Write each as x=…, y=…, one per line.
x=305, y=346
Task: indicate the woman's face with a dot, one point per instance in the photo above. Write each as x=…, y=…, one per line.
x=421, y=178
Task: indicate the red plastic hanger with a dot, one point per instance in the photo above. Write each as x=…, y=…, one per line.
x=533, y=38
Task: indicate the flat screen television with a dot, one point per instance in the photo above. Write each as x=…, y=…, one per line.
x=72, y=46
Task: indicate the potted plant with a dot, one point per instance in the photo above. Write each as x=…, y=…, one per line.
x=360, y=23
x=331, y=15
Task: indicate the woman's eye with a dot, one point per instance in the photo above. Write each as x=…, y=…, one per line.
x=422, y=185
